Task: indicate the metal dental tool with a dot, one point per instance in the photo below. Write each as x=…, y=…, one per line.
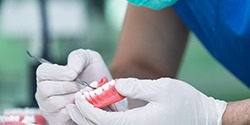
x=41, y=60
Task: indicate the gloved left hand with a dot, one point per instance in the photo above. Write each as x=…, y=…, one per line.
x=56, y=86
x=170, y=102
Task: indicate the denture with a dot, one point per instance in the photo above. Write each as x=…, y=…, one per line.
x=27, y=116
x=104, y=94
x=22, y=120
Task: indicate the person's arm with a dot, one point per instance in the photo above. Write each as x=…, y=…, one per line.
x=151, y=44
x=237, y=113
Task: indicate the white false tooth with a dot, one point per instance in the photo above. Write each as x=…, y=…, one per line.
x=16, y=118
x=83, y=97
x=98, y=91
x=86, y=89
x=105, y=86
x=82, y=91
x=112, y=82
x=94, y=84
x=79, y=95
x=92, y=94
x=11, y=118
x=86, y=95
x=1, y=119
x=28, y=120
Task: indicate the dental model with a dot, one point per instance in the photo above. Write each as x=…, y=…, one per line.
x=18, y=120
x=10, y=120
x=104, y=94
x=25, y=116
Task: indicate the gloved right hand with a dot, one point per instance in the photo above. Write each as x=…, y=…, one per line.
x=170, y=102
x=56, y=86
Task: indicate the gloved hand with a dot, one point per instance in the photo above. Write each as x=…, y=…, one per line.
x=170, y=102
x=56, y=86
x=153, y=4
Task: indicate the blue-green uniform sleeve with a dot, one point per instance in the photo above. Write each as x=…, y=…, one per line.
x=153, y=4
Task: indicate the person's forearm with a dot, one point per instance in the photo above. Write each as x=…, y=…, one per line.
x=151, y=44
x=237, y=113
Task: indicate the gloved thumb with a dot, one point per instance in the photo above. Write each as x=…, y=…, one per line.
x=137, y=89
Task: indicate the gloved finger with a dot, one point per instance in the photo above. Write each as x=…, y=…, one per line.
x=120, y=106
x=96, y=115
x=79, y=59
x=60, y=117
x=55, y=72
x=76, y=116
x=88, y=62
x=54, y=88
x=54, y=103
x=138, y=89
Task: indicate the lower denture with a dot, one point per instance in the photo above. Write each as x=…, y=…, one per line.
x=107, y=97
x=38, y=120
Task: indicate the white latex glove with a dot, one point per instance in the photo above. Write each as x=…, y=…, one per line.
x=171, y=102
x=56, y=86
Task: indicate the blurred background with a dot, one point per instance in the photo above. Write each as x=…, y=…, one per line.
x=53, y=28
